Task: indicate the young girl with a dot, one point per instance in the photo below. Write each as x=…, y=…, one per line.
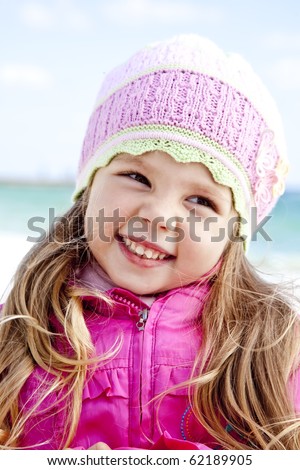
x=139, y=322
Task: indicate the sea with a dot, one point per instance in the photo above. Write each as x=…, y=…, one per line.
x=275, y=252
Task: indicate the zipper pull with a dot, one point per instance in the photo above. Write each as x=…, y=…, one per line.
x=143, y=314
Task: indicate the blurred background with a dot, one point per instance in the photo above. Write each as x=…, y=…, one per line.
x=54, y=55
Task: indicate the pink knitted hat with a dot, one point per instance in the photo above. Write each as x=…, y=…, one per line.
x=188, y=98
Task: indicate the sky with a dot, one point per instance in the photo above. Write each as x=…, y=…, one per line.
x=54, y=55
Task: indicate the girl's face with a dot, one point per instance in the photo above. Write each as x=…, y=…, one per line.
x=154, y=224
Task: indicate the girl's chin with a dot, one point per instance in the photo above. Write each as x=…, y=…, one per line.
x=146, y=285
x=138, y=288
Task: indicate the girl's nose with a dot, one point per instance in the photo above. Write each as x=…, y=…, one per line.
x=160, y=212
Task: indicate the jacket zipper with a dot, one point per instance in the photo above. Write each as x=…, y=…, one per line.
x=143, y=315
x=140, y=324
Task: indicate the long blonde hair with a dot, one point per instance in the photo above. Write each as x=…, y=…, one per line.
x=243, y=374
x=43, y=289
x=240, y=375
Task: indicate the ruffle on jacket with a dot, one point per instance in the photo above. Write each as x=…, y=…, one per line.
x=114, y=382
x=168, y=377
x=111, y=382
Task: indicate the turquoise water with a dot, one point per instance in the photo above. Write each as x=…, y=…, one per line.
x=21, y=202
x=283, y=226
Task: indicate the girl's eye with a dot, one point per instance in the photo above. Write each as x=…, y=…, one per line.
x=137, y=177
x=202, y=201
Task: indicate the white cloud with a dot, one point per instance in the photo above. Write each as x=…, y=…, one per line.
x=37, y=16
x=60, y=14
x=25, y=75
x=286, y=73
x=162, y=11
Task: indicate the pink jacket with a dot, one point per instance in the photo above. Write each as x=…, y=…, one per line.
x=159, y=344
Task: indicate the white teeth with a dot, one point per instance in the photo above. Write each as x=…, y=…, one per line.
x=141, y=251
x=149, y=253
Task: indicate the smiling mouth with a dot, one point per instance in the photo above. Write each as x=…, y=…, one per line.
x=142, y=251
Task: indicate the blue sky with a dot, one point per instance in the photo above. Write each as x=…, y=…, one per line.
x=54, y=54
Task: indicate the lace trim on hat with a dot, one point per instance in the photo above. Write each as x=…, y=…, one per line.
x=200, y=149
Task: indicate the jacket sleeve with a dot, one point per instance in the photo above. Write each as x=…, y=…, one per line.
x=167, y=442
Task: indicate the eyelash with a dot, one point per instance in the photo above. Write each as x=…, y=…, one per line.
x=207, y=202
x=130, y=173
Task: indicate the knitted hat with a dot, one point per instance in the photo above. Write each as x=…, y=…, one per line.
x=188, y=98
